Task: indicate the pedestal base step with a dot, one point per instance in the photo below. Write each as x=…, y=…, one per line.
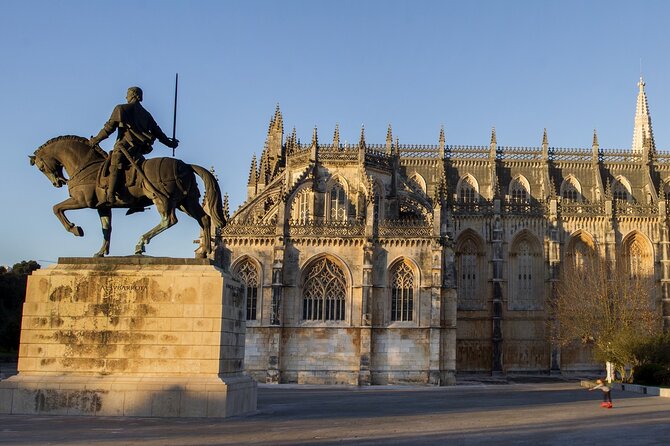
x=214, y=397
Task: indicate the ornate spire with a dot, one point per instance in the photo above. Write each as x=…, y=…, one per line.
x=315, y=138
x=314, y=150
x=608, y=189
x=442, y=142
x=278, y=120
x=389, y=140
x=291, y=142
x=595, y=148
x=361, y=143
x=545, y=140
x=545, y=145
x=265, y=170
x=643, y=136
x=336, y=137
x=253, y=173
x=226, y=206
x=493, y=147
x=252, y=183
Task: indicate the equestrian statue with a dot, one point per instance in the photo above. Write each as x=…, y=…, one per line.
x=125, y=179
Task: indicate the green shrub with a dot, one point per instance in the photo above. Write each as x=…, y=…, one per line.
x=662, y=377
x=654, y=351
x=646, y=374
x=12, y=296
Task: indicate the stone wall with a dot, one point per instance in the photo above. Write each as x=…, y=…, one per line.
x=131, y=336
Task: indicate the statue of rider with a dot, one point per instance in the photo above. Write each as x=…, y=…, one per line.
x=137, y=131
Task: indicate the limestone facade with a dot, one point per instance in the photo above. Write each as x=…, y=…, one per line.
x=390, y=263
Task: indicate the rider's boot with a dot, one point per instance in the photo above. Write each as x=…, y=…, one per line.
x=111, y=185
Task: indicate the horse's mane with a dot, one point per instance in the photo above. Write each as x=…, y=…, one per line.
x=65, y=137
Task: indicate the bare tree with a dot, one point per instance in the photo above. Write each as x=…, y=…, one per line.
x=607, y=306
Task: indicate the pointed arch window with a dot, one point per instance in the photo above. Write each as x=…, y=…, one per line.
x=301, y=207
x=518, y=191
x=583, y=253
x=402, y=293
x=620, y=192
x=524, y=273
x=638, y=259
x=338, y=203
x=248, y=275
x=636, y=256
x=324, y=292
x=570, y=190
x=467, y=277
x=417, y=183
x=467, y=190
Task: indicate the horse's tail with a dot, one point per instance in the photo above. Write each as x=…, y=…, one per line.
x=213, y=205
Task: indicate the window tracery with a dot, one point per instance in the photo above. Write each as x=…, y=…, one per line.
x=637, y=256
x=525, y=272
x=248, y=275
x=402, y=293
x=518, y=191
x=570, y=190
x=468, y=272
x=525, y=278
x=417, y=183
x=619, y=191
x=468, y=190
x=324, y=292
x=338, y=203
x=301, y=207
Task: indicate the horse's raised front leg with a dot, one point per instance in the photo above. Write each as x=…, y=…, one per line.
x=68, y=205
x=106, y=223
x=168, y=220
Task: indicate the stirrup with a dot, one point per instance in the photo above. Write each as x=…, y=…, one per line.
x=134, y=210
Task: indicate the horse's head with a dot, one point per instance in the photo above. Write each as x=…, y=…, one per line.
x=49, y=166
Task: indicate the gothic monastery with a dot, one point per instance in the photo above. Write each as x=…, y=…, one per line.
x=393, y=263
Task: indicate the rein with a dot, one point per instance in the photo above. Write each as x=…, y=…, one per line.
x=88, y=162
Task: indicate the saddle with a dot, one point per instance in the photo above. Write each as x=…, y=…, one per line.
x=128, y=179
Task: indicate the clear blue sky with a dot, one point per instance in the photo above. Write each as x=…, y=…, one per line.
x=569, y=66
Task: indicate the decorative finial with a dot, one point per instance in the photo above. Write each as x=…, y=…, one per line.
x=595, y=138
x=545, y=140
x=226, y=206
x=336, y=137
x=213, y=172
x=253, y=172
x=389, y=140
x=494, y=140
x=314, y=150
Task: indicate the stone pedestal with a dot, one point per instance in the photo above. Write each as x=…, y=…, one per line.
x=131, y=336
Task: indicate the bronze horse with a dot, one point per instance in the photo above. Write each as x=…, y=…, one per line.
x=171, y=186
